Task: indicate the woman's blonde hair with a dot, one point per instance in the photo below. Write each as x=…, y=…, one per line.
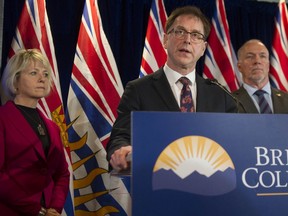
x=19, y=62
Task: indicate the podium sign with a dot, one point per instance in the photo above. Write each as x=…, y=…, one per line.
x=209, y=164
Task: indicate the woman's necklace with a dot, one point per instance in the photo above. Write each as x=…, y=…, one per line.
x=40, y=129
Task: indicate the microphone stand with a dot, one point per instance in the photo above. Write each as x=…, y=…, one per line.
x=215, y=82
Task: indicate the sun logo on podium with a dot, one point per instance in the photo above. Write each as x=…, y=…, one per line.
x=194, y=164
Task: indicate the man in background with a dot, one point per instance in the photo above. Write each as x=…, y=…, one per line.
x=256, y=94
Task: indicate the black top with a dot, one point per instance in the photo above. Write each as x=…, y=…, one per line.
x=34, y=119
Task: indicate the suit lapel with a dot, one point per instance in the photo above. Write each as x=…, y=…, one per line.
x=24, y=130
x=202, y=95
x=162, y=86
x=245, y=101
x=277, y=99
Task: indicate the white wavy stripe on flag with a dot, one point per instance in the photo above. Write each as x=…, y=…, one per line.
x=83, y=67
x=117, y=81
x=82, y=126
x=276, y=65
x=214, y=68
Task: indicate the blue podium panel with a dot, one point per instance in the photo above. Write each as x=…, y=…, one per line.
x=209, y=164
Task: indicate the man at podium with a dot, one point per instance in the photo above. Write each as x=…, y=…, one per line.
x=174, y=87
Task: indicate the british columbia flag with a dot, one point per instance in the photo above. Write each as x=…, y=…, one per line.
x=94, y=94
x=33, y=31
x=279, y=55
x=220, y=59
x=154, y=55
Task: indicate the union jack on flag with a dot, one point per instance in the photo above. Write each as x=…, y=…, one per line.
x=154, y=55
x=33, y=31
x=94, y=94
x=220, y=59
x=279, y=56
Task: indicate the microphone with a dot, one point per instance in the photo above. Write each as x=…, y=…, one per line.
x=215, y=82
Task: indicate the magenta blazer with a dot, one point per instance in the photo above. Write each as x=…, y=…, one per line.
x=25, y=172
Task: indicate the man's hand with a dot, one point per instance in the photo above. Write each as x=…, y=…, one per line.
x=118, y=158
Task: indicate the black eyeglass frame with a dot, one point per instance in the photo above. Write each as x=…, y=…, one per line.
x=194, y=38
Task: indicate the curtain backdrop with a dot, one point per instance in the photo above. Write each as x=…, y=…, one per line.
x=125, y=22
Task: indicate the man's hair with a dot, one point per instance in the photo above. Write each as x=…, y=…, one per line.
x=189, y=10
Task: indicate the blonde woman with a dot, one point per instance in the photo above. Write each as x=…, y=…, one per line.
x=34, y=176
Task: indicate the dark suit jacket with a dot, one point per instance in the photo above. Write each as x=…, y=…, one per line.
x=153, y=93
x=25, y=171
x=246, y=104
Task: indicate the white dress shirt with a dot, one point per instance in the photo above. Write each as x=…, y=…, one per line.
x=176, y=86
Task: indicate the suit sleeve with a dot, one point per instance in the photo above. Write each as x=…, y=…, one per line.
x=121, y=131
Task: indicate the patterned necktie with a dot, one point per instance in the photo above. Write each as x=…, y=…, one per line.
x=263, y=104
x=186, y=102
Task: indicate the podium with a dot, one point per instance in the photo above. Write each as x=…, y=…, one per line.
x=209, y=164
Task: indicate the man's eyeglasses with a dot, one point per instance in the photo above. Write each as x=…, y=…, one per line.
x=195, y=37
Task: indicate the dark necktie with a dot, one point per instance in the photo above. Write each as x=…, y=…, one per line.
x=263, y=104
x=186, y=102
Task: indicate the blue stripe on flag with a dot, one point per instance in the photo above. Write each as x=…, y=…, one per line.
x=218, y=25
x=155, y=14
x=100, y=125
x=32, y=9
x=86, y=17
x=69, y=209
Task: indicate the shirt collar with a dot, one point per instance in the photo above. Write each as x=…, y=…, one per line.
x=251, y=90
x=173, y=76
